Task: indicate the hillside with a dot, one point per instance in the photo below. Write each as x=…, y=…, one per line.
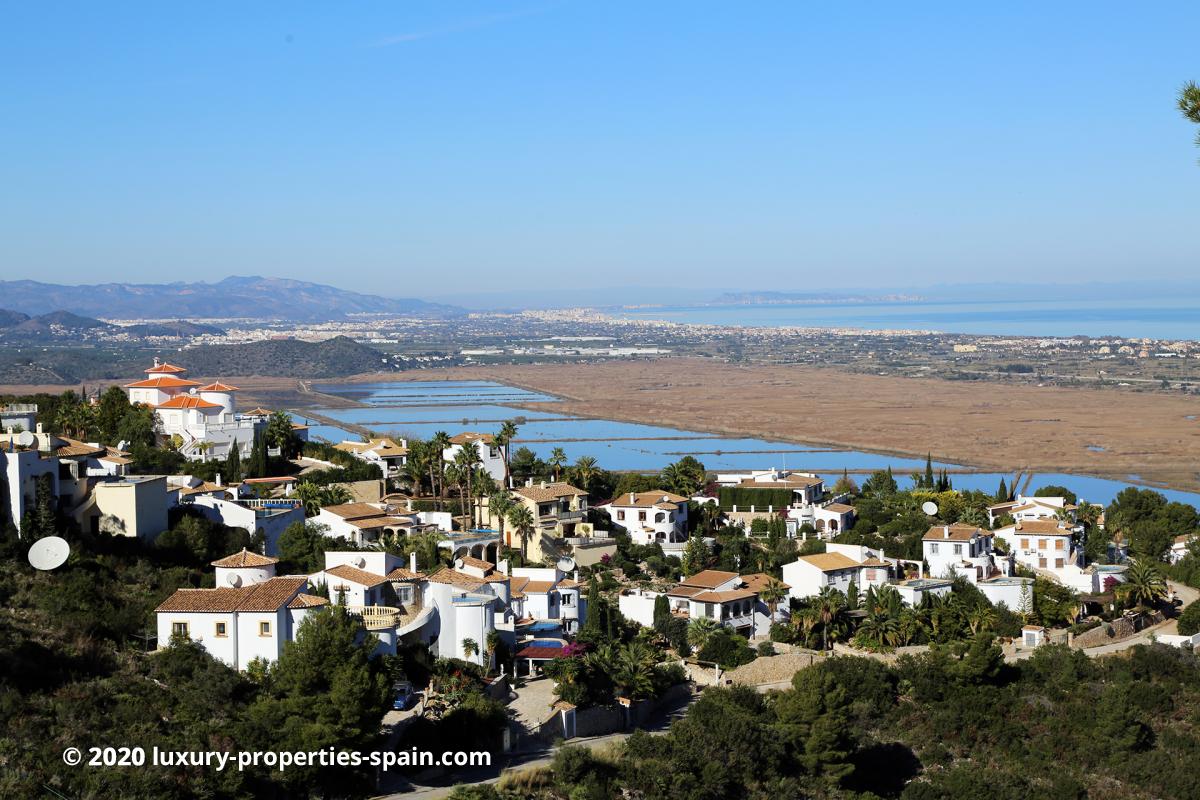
x=243, y=297
x=285, y=358
x=11, y=318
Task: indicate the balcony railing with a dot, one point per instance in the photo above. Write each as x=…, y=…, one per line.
x=376, y=618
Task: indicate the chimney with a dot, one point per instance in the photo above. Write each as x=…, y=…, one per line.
x=632, y=498
x=412, y=561
x=218, y=479
x=543, y=484
x=156, y=362
x=945, y=531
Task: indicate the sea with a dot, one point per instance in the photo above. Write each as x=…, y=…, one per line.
x=421, y=408
x=1060, y=316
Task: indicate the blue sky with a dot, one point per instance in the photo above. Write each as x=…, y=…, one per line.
x=411, y=148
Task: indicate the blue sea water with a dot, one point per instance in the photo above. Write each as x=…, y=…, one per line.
x=1161, y=319
x=632, y=446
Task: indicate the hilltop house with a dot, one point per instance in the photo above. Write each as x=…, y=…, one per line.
x=250, y=614
x=391, y=455
x=203, y=417
x=953, y=550
x=838, y=567
x=712, y=594
x=800, y=496
x=652, y=518
x=364, y=523
x=1180, y=547
x=491, y=455
x=1027, y=508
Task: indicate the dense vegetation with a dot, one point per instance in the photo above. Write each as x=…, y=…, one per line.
x=952, y=723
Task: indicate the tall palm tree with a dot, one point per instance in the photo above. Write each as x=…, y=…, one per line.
x=499, y=505
x=438, y=443
x=634, y=673
x=470, y=648
x=585, y=472
x=483, y=485
x=417, y=465
x=1144, y=584
x=981, y=618
x=830, y=608
x=521, y=518
x=466, y=460
x=558, y=457
x=503, y=438
x=772, y=593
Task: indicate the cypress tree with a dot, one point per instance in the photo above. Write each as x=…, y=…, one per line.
x=928, y=483
x=233, y=463
x=662, y=614
x=592, y=622
x=1002, y=492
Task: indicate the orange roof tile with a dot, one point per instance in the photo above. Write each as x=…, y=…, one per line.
x=162, y=382
x=246, y=558
x=217, y=386
x=356, y=575
x=187, y=401
x=166, y=368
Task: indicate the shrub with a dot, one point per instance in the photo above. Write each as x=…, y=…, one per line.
x=1189, y=620
x=783, y=632
x=766, y=649
x=727, y=649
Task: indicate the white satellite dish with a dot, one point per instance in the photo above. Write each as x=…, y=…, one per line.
x=930, y=508
x=233, y=579
x=459, y=563
x=566, y=564
x=49, y=553
x=26, y=439
x=360, y=562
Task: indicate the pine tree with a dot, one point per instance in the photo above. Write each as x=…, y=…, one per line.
x=1002, y=492
x=233, y=463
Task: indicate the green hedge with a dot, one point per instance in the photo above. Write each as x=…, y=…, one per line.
x=743, y=498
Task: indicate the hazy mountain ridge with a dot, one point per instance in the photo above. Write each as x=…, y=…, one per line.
x=252, y=297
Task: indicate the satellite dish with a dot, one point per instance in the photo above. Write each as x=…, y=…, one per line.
x=566, y=564
x=49, y=553
x=233, y=579
x=459, y=563
x=26, y=439
x=360, y=562
x=930, y=508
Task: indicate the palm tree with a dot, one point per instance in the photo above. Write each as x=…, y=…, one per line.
x=585, y=472
x=280, y=433
x=484, y=485
x=558, y=457
x=981, y=618
x=1144, y=584
x=710, y=514
x=699, y=630
x=772, y=593
x=503, y=438
x=634, y=673
x=830, y=607
x=877, y=632
x=470, y=648
x=500, y=504
x=677, y=479
x=466, y=460
x=492, y=644
x=417, y=465
x=521, y=518
x=438, y=444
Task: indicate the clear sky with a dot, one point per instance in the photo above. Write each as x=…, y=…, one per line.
x=416, y=148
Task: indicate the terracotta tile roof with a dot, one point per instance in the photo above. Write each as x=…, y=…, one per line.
x=788, y=482
x=246, y=558
x=402, y=574
x=839, y=508
x=381, y=521
x=463, y=438
x=567, y=583
x=115, y=459
x=217, y=386
x=647, y=500
x=356, y=575
x=270, y=595
x=187, y=401
x=384, y=448
x=1005, y=504
x=307, y=601
x=758, y=581
x=353, y=510
x=281, y=479
x=456, y=578
x=478, y=563
x=164, y=367
x=162, y=382
x=830, y=562
x=540, y=653
x=537, y=587
x=953, y=533
x=256, y=412
x=1184, y=538
x=723, y=597
x=684, y=591
x=204, y=488
x=550, y=491
x=709, y=579
x=74, y=447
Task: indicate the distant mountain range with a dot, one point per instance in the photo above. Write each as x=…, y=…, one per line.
x=248, y=297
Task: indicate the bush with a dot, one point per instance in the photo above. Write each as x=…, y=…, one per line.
x=783, y=632
x=727, y=649
x=766, y=649
x=1189, y=620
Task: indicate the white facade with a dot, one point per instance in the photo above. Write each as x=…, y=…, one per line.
x=836, y=568
x=953, y=550
x=652, y=518
x=491, y=455
x=21, y=469
x=1042, y=544
x=269, y=518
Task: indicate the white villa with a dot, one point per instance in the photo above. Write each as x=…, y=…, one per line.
x=712, y=594
x=1180, y=547
x=954, y=550
x=363, y=523
x=391, y=455
x=204, y=417
x=491, y=455
x=836, y=568
x=652, y=518
x=810, y=504
x=1028, y=507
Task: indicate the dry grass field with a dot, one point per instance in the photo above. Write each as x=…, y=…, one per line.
x=979, y=424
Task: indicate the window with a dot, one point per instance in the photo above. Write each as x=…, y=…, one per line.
x=264, y=629
x=404, y=593
x=568, y=599
x=933, y=548
x=1058, y=563
x=220, y=630
x=1024, y=544
x=1042, y=562
x=179, y=629
x=958, y=549
x=870, y=575
x=1041, y=544
x=660, y=517
x=620, y=515
x=830, y=579
x=641, y=516
x=1059, y=544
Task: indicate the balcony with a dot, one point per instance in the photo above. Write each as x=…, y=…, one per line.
x=555, y=517
x=377, y=618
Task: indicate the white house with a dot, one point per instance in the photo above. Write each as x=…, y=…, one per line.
x=204, y=417
x=472, y=601
x=267, y=519
x=836, y=568
x=1025, y=507
x=547, y=594
x=390, y=455
x=1180, y=547
x=1042, y=543
x=238, y=624
x=953, y=550
x=651, y=518
x=491, y=455
x=20, y=470
x=363, y=523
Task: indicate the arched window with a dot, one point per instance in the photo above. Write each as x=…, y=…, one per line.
x=820, y=524
x=660, y=517
x=833, y=524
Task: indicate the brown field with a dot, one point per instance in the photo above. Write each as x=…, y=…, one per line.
x=988, y=425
